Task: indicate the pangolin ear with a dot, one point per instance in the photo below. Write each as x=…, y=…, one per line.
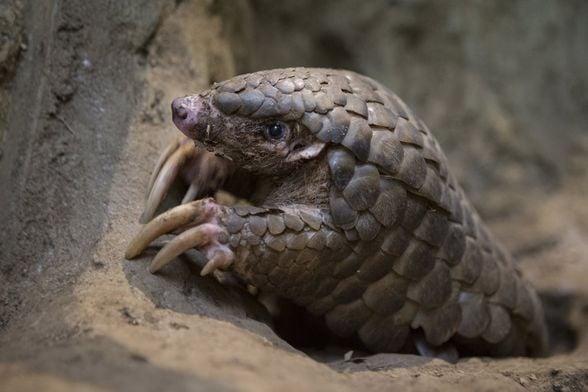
x=307, y=152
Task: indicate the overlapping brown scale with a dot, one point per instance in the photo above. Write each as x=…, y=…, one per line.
x=454, y=245
x=524, y=306
x=313, y=218
x=308, y=100
x=234, y=240
x=386, y=151
x=499, y=325
x=433, y=289
x=322, y=305
x=397, y=105
x=312, y=84
x=305, y=257
x=468, y=221
x=351, y=234
x=408, y=133
x=277, y=276
x=348, y=266
x=250, y=237
x=325, y=286
x=295, y=271
x=273, y=76
x=430, y=155
x=251, y=101
x=391, y=203
x=506, y=295
x=433, y=228
x=367, y=226
x=293, y=221
x=323, y=103
x=475, y=314
x=413, y=170
x=277, y=243
x=228, y=102
x=414, y=212
x=325, y=267
x=484, y=238
x=234, y=223
x=363, y=189
x=432, y=186
x=445, y=201
x=268, y=108
x=470, y=266
x=257, y=225
x=358, y=138
x=233, y=85
x=298, y=83
x=386, y=295
x=259, y=280
x=334, y=92
x=375, y=266
x=275, y=224
x=439, y=324
x=456, y=208
x=356, y=105
x=417, y=260
x=253, y=80
x=297, y=107
x=345, y=319
x=335, y=129
x=269, y=91
x=349, y=289
x=340, y=81
x=490, y=281
x=314, y=122
x=296, y=241
x=396, y=242
x=286, y=86
x=383, y=334
x=365, y=92
x=336, y=241
x=320, y=75
x=341, y=212
x=380, y=116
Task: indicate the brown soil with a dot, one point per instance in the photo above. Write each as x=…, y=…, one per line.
x=88, y=115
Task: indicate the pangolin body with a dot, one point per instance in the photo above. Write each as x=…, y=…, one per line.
x=357, y=217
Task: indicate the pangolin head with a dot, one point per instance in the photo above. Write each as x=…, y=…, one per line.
x=267, y=122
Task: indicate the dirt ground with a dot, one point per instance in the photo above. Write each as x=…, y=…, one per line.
x=86, y=112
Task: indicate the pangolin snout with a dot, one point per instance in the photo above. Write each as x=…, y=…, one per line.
x=190, y=115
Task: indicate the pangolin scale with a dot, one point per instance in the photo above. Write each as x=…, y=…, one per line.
x=356, y=216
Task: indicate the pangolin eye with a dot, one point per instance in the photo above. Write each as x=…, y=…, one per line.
x=276, y=131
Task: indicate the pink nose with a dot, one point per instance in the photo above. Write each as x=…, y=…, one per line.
x=189, y=114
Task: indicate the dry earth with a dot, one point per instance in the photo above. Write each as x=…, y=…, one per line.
x=88, y=113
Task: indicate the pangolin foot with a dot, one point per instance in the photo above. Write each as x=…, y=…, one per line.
x=196, y=225
x=202, y=170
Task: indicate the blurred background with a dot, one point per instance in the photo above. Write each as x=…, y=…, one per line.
x=85, y=88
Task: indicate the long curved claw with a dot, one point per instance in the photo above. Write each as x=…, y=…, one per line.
x=222, y=259
x=191, y=213
x=160, y=161
x=191, y=193
x=165, y=178
x=195, y=237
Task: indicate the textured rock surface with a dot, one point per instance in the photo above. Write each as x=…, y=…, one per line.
x=501, y=86
x=12, y=42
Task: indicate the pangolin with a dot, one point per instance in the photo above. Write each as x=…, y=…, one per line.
x=353, y=215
